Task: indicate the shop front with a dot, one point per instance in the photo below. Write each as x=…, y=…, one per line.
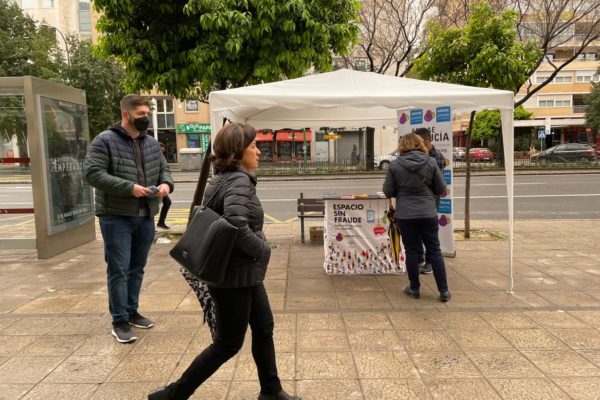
x=579, y=134
x=290, y=145
x=192, y=135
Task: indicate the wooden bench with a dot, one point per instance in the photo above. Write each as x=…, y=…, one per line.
x=309, y=208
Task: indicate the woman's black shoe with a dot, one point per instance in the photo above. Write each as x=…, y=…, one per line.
x=445, y=296
x=279, y=396
x=412, y=293
x=159, y=394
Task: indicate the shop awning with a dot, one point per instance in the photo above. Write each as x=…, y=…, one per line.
x=293, y=136
x=264, y=136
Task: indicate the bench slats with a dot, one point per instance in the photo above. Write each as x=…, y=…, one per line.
x=309, y=208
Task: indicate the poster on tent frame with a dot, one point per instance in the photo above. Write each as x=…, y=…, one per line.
x=439, y=122
x=356, y=238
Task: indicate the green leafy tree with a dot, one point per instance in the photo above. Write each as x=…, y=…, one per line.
x=190, y=47
x=30, y=48
x=485, y=53
x=592, y=109
x=25, y=47
x=487, y=123
x=102, y=79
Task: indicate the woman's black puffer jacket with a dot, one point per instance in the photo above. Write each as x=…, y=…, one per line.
x=414, y=179
x=236, y=200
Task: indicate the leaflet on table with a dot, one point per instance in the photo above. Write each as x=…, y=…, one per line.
x=356, y=238
x=439, y=123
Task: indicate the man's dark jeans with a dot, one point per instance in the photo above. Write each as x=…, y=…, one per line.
x=235, y=308
x=415, y=233
x=127, y=242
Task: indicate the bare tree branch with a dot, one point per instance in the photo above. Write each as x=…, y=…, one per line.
x=392, y=33
x=559, y=26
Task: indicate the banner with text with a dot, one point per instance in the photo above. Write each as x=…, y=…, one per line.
x=357, y=238
x=439, y=123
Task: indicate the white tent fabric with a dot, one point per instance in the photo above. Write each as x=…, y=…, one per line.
x=353, y=98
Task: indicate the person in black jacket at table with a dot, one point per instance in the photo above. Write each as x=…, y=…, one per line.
x=415, y=180
x=241, y=300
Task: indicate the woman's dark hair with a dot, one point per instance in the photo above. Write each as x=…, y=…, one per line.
x=229, y=145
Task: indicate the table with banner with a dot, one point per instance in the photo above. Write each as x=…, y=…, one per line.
x=359, y=237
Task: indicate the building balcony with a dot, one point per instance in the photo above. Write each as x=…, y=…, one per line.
x=578, y=109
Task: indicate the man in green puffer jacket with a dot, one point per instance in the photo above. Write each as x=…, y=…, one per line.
x=130, y=175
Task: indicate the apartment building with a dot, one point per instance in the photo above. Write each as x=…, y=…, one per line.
x=68, y=16
x=560, y=104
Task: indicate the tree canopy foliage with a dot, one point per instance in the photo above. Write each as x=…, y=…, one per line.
x=485, y=53
x=102, y=79
x=592, y=109
x=487, y=123
x=25, y=47
x=28, y=47
x=187, y=48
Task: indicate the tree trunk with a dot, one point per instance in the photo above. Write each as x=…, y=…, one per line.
x=467, y=234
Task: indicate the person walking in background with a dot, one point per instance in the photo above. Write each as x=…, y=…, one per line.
x=415, y=180
x=130, y=175
x=166, y=200
x=424, y=262
x=241, y=299
x=353, y=155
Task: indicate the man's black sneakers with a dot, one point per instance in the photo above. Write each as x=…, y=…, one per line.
x=123, y=332
x=426, y=269
x=139, y=321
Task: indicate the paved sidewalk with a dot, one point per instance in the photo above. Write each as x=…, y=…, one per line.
x=336, y=337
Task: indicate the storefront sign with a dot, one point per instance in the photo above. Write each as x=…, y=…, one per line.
x=193, y=128
x=439, y=123
x=356, y=238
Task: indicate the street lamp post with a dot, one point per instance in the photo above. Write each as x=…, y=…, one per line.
x=66, y=47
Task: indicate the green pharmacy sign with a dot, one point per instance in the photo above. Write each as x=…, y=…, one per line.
x=193, y=128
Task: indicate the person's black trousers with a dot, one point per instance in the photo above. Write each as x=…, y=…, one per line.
x=235, y=308
x=164, y=210
x=415, y=233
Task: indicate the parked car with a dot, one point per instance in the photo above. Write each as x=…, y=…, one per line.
x=481, y=154
x=569, y=152
x=459, y=153
x=383, y=161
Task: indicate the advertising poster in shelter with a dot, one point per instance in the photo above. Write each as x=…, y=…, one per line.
x=439, y=123
x=65, y=132
x=357, y=238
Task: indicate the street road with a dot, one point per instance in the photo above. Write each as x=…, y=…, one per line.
x=570, y=196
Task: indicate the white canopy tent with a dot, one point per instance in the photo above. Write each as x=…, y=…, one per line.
x=353, y=98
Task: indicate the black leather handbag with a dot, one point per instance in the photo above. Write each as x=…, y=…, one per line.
x=205, y=247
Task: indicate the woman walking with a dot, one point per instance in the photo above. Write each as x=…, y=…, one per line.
x=241, y=300
x=414, y=180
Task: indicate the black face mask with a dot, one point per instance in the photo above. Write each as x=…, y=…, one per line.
x=141, y=123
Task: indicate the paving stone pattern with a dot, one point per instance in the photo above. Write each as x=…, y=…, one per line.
x=337, y=337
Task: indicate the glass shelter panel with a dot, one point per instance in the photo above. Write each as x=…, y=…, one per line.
x=64, y=128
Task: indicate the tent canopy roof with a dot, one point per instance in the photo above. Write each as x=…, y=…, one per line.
x=346, y=97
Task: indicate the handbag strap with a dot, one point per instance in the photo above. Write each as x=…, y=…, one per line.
x=202, y=180
x=215, y=193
